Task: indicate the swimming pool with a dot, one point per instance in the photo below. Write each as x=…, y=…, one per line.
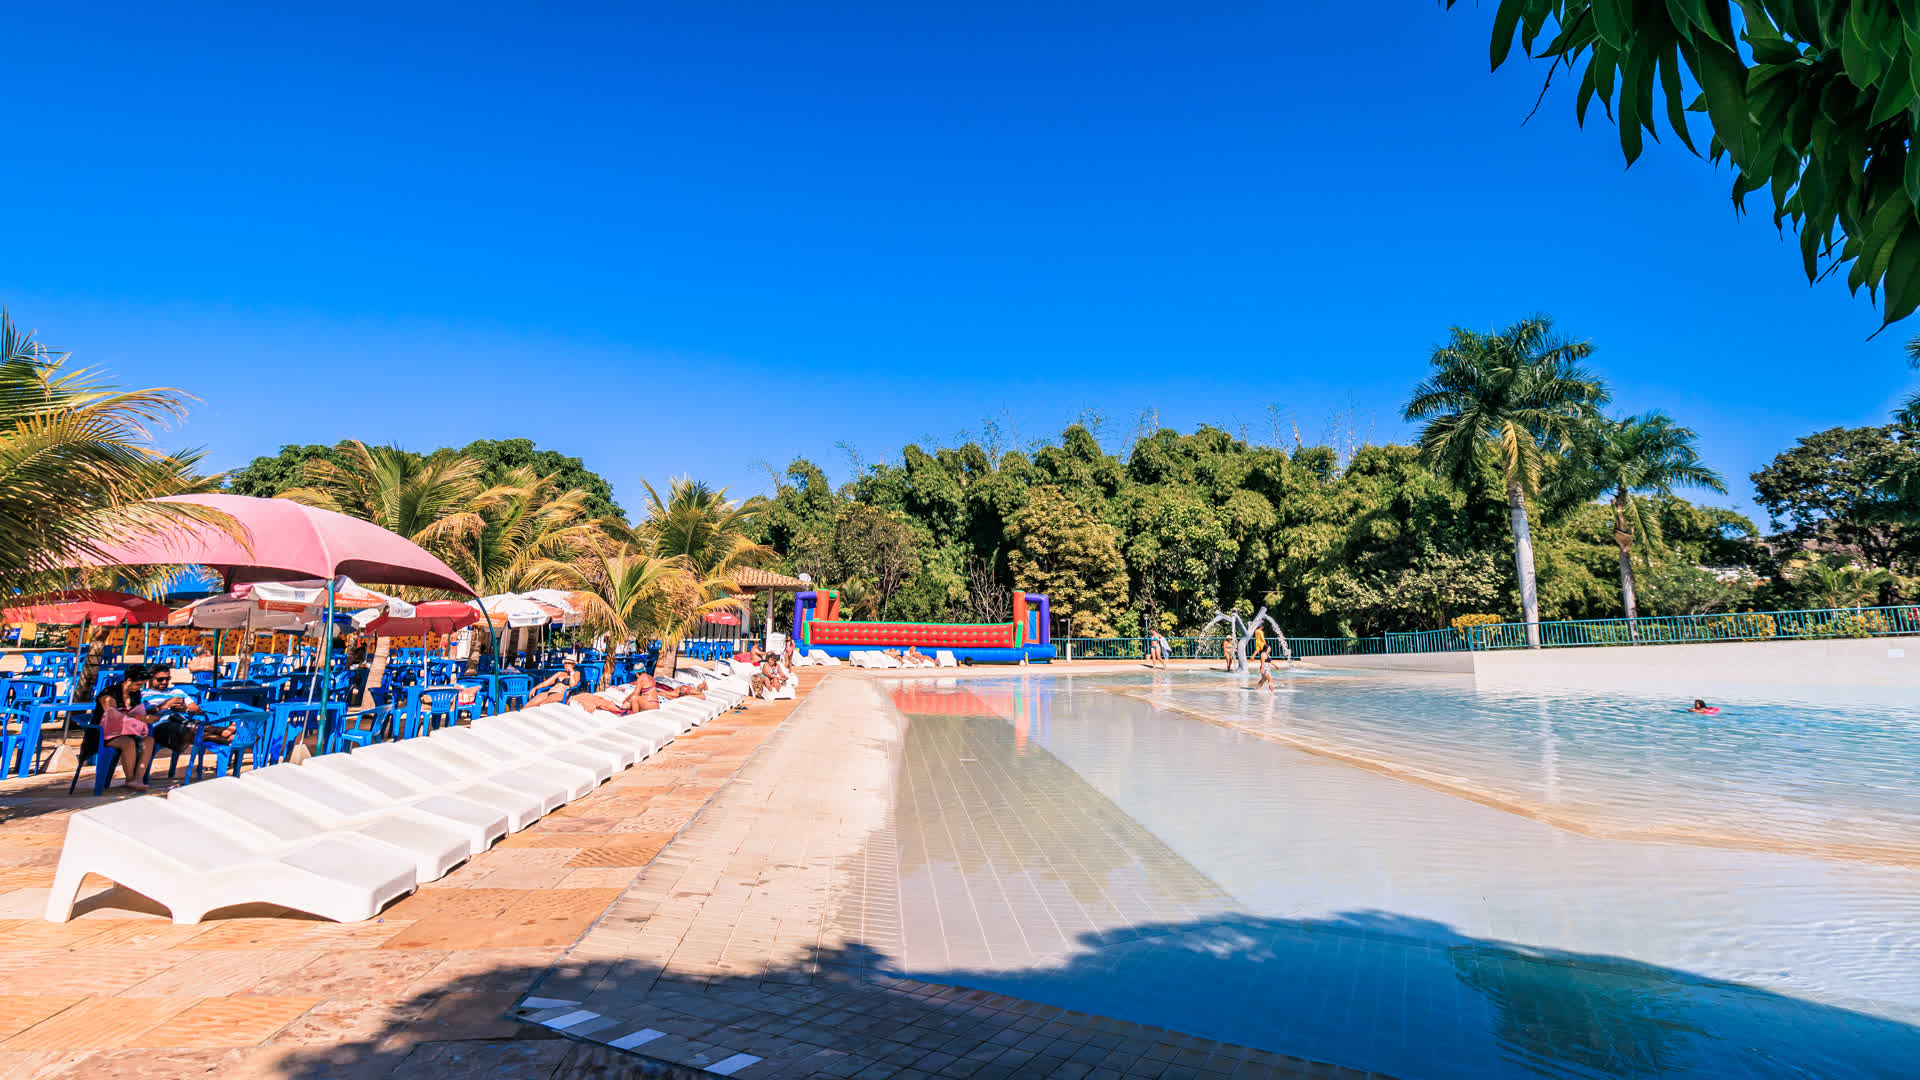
x=1421, y=876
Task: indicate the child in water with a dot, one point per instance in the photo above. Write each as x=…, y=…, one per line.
x=1266, y=674
x=1704, y=708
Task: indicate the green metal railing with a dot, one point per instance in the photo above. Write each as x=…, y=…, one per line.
x=1565, y=633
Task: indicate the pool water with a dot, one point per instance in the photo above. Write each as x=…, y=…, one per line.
x=1421, y=876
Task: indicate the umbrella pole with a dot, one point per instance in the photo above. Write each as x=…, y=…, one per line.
x=326, y=647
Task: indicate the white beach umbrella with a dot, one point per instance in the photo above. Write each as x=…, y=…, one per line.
x=562, y=600
x=513, y=610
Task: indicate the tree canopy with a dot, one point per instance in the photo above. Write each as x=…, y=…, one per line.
x=269, y=477
x=1815, y=102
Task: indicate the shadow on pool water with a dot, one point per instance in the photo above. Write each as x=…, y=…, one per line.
x=1384, y=992
x=1361, y=995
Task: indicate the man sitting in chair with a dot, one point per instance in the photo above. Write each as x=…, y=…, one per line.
x=555, y=689
x=174, y=712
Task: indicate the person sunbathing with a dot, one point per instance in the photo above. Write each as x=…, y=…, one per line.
x=555, y=688
x=621, y=700
x=917, y=658
x=668, y=688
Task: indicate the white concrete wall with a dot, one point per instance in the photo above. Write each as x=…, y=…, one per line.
x=1839, y=662
x=1456, y=662
x=1890, y=661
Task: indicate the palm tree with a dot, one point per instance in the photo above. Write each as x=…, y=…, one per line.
x=631, y=592
x=1518, y=396
x=427, y=500
x=77, y=467
x=521, y=534
x=1834, y=581
x=1630, y=459
x=700, y=524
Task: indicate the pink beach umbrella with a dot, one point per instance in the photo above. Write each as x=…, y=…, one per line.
x=283, y=540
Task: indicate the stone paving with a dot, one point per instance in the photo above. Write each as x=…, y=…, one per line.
x=425, y=989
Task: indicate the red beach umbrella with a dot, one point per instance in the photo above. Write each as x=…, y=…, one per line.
x=97, y=607
x=724, y=618
x=432, y=617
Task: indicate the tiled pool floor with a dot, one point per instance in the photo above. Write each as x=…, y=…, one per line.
x=766, y=940
x=1320, y=927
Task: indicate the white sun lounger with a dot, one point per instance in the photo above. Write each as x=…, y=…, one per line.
x=191, y=868
x=634, y=733
x=944, y=658
x=458, y=773
x=622, y=749
x=575, y=781
x=321, y=794
x=510, y=751
x=823, y=658
x=363, y=774
x=252, y=818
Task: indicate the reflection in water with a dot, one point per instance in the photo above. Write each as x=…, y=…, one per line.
x=1081, y=848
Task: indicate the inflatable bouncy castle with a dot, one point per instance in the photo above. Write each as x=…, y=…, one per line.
x=1027, y=636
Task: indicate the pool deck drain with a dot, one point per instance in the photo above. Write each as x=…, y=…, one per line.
x=759, y=943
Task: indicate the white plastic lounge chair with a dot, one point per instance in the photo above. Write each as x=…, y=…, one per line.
x=512, y=751
x=362, y=774
x=319, y=794
x=944, y=658
x=571, y=781
x=634, y=732
x=191, y=868
x=458, y=772
x=823, y=658
x=251, y=818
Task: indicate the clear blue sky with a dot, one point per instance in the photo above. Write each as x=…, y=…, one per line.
x=689, y=241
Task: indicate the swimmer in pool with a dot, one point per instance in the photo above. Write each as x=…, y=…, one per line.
x=1704, y=708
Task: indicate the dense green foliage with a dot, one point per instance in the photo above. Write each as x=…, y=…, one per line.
x=1830, y=490
x=268, y=477
x=1814, y=101
x=1204, y=521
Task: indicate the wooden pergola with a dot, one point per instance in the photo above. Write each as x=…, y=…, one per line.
x=754, y=581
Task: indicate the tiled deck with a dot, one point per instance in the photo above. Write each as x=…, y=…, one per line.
x=422, y=991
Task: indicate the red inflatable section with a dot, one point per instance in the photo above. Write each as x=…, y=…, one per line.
x=923, y=636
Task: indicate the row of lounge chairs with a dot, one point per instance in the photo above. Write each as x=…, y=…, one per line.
x=344, y=834
x=872, y=659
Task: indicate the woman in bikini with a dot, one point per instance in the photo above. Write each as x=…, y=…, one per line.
x=555, y=689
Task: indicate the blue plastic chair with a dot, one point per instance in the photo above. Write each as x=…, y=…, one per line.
x=105, y=758
x=428, y=709
x=250, y=727
x=291, y=721
x=365, y=728
x=16, y=754
x=510, y=692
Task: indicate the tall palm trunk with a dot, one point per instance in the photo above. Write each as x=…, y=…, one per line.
x=1623, y=536
x=1523, y=562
